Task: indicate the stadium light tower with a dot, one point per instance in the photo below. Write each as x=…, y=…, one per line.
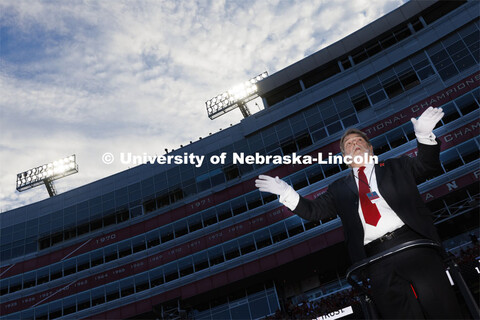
x=46, y=174
x=236, y=97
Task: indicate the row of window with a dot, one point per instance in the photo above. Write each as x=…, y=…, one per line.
x=315, y=123
x=452, y=158
x=128, y=247
x=363, y=52
x=199, y=261
x=457, y=52
x=404, y=133
x=251, y=306
x=183, y=267
x=448, y=205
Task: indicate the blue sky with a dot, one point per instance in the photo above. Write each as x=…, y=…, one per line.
x=89, y=77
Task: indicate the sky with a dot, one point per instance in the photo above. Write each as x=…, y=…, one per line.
x=90, y=77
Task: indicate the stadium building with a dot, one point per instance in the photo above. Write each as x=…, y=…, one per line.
x=181, y=241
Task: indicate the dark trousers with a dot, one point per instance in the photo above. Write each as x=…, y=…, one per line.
x=411, y=284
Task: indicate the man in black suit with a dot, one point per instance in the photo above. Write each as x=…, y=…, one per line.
x=380, y=208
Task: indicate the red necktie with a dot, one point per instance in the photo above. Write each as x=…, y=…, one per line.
x=370, y=210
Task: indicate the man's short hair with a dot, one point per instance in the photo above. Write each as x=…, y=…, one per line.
x=353, y=131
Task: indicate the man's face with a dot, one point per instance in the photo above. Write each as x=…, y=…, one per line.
x=355, y=145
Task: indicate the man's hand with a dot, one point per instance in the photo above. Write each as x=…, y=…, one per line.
x=288, y=196
x=427, y=121
x=273, y=185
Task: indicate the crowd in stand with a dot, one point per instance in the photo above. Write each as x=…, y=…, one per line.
x=469, y=254
x=312, y=310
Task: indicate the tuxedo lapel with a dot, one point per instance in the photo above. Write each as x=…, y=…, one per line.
x=380, y=174
x=349, y=180
x=385, y=183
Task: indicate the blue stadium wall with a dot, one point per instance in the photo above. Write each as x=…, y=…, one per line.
x=136, y=241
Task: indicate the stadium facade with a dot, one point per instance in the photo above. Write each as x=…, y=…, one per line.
x=171, y=241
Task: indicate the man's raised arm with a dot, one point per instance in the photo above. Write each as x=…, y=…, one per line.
x=427, y=162
x=312, y=210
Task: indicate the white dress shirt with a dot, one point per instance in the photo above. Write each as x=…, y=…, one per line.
x=389, y=221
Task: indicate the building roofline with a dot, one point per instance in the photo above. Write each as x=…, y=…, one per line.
x=343, y=46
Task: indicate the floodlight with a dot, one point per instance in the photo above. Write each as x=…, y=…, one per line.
x=236, y=97
x=46, y=174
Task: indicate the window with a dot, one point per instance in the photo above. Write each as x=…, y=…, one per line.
x=392, y=87
x=70, y=305
x=29, y=280
x=112, y=291
x=450, y=160
x=224, y=212
x=69, y=267
x=171, y=271
x=254, y=200
x=96, y=258
x=166, y=233
x=330, y=169
x=238, y=206
x=231, y=250
x=3, y=287
x=231, y=172
x=360, y=101
x=262, y=238
x=138, y=244
x=469, y=151
x=83, y=301
x=98, y=296
x=43, y=275
x=162, y=201
x=122, y=216
x=314, y=173
x=409, y=79
x=380, y=145
x=294, y=226
x=310, y=224
x=209, y=217
x=55, y=272
x=215, y=255
x=451, y=113
x=298, y=180
x=396, y=138
x=278, y=232
x=141, y=282
x=153, y=239
x=268, y=197
x=200, y=261
x=127, y=287
x=55, y=309
x=466, y=104
x=124, y=249
x=136, y=212
x=185, y=266
x=194, y=223
x=156, y=277
x=16, y=283
x=180, y=228
x=246, y=244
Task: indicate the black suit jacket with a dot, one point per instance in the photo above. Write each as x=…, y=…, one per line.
x=397, y=181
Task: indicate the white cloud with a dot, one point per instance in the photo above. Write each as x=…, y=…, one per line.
x=90, y=77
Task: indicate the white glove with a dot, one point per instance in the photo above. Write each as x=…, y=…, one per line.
x=426, y=123
x=288, y=196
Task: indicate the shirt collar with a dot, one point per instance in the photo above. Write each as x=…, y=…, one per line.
x=368, y=167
